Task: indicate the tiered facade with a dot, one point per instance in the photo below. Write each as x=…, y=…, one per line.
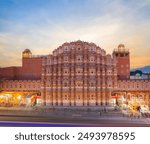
x=78, y=74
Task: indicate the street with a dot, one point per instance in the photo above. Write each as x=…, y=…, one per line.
x=32, y=121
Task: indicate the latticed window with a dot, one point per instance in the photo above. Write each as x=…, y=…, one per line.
x=66, y=48
x=79, y=71
x=91, y=59
x=92, y=97
x=79, y=58
x=79, y=83
x=65, y=84
x=66, y=71
x=66, y=59
x=92, y=71
x=79, y=97
x=92, y=84
x=66, y=97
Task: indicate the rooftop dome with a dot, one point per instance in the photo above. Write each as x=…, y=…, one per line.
x=26, y=51
x=121, y=46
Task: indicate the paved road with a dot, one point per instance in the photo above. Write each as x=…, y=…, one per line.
x=71, y=122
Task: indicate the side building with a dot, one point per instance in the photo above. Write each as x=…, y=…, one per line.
x=131, y=89
x=30, y=70
x=18, y=85
x=122, y=56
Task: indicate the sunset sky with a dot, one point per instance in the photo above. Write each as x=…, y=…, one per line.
x=43, y=25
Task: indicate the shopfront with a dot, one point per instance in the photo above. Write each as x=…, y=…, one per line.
x=19, y=99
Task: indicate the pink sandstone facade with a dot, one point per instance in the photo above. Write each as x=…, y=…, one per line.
x=122, y=57
x=78, y=74
x=30, y=70
x=21, y=85
x=134, y=85
x=75, y=74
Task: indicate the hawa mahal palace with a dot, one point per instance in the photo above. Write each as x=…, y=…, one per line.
x=75, y=74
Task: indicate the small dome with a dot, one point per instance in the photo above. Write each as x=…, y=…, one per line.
x=26, y=51
x=121, y=46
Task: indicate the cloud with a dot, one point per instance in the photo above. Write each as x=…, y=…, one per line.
x=106, y=23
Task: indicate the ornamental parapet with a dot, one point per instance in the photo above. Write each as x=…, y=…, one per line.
x=134, y=85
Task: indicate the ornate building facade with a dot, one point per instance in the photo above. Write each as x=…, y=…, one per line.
x=75, y=74
x=78, y=74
